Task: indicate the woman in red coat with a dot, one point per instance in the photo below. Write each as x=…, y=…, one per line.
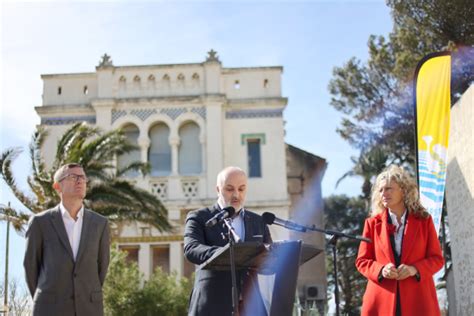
x=404, y=254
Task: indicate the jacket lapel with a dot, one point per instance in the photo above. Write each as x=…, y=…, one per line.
x=222, y=229
x=384, y=236
x=249, y=231
x=409, y=238
x=86, y=222
x=58, y=224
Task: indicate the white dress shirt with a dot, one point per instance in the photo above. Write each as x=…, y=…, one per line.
x=73, y=228
x=399, y=228
x=237, y=222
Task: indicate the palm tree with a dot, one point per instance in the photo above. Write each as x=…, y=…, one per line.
x=107, y=193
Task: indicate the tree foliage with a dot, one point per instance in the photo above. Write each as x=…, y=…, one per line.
x=19, y=301
x=368, y=165
x=126, y=293
x=376, y=96
x=107, y=193
x=346, y=215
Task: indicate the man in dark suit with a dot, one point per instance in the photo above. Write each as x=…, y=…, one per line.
x=212, y=292
x=67, y=252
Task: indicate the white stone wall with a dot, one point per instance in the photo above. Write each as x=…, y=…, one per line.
x=460, y=201
x=252, y=82
x=162, y=81
x=72, y=89
x=273, y=184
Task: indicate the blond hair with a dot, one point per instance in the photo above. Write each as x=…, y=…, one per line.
x=409, y=188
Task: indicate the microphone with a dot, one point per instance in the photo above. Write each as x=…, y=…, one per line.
x=270, y=218
x=227, y=212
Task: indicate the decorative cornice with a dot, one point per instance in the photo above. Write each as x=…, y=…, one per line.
x=263, y=101
x=144, y=113
x=141, y=239
x=260, y=136
x=67, y=120
x=260, y=113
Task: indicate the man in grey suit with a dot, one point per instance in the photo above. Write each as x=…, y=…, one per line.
x=212, y=292
x=67, y=252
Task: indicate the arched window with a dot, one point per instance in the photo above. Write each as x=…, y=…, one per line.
x=159, y=154
x=190, y=158
x=122, y=83
x=131, y=132
x=265, y=83
x=166, y=80
x=137, y=82
x=151, y=81
x=195, y=80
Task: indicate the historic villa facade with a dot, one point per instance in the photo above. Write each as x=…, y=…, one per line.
x=190, y=121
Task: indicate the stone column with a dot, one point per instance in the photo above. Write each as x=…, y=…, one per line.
x=144, y=260
x=144, y=144
x=174, y=143
x=176, y=258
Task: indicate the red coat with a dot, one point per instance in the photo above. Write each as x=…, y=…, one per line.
x=420, y=248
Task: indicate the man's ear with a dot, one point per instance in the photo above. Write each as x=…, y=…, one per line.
x=57, y=187
x=217, y=189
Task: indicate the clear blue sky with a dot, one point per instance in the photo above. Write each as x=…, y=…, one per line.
x=307, y=38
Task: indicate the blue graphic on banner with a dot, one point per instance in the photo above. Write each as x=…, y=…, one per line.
x=432, y=175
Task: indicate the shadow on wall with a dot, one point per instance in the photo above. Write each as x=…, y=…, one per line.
x=460, y=206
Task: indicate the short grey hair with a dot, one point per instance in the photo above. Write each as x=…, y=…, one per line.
x=224, y=174
x=62, y=170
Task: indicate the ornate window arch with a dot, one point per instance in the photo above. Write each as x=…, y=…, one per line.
x=122, y=83
x=132, y=133
x=159, y=153
x=190, y=149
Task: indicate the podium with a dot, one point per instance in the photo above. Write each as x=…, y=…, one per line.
x=281, y=259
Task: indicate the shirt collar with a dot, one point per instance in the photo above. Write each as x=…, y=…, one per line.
x=393, y=216
x=65, y=213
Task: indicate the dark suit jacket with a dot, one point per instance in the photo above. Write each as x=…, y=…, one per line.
x=59, y=286
x=212, y=292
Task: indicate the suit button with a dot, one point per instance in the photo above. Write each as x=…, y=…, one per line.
x=75, y=274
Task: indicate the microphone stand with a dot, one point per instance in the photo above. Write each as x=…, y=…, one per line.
x=233, y=238
x=333, y=242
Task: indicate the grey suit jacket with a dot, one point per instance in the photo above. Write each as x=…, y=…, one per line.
x=58, y=284
x=212, y=292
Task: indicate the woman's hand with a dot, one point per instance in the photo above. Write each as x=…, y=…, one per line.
x=389, y=271
x=405, y=271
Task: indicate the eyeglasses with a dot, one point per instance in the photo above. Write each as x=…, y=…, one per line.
x=74, y=177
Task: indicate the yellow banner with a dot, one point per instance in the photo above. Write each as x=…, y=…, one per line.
x=433, y=104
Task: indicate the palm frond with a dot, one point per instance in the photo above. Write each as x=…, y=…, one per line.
x=16, y=218
x=68, y=147
x=41, y=180
x=6, y=159
x=107, y=194
x=139, y=204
